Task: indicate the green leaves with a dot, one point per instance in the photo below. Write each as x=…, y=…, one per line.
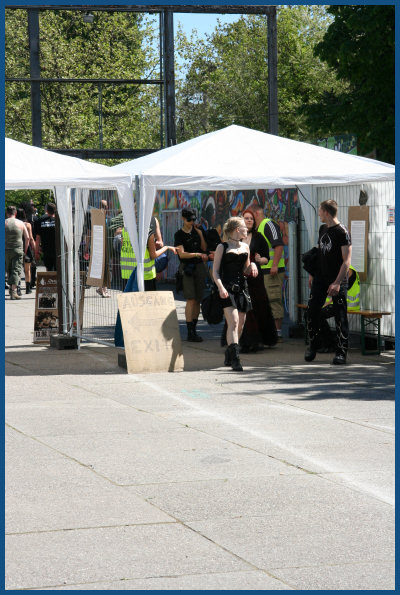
x=226, y=78
x=116, y=45
x=359, y=44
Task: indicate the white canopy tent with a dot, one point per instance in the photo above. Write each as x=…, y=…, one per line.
x=28, y=167
x=237, y=158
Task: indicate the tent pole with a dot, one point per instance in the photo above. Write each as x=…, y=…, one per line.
x=63, y=283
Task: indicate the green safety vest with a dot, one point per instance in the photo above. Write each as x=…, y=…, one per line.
x=281, y=263
x=128, y=260
x=353, y=294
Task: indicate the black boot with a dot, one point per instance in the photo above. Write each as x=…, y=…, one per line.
x=195, y=332
x=235, y=361
x=28, y=287
x=194, y=338
x=228, y=359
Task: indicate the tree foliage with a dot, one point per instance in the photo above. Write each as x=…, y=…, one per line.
x=359, y=45
x=226, y=79
x=116, y=45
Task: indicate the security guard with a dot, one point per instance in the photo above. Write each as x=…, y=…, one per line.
x=128, y=263
x=128, y=260
x=274, y=271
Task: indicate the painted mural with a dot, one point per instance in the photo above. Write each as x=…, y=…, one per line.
x=214, y=208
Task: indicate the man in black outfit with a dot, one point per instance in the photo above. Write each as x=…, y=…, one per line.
x=334, y=252
x=191, y=248
x=45, y=231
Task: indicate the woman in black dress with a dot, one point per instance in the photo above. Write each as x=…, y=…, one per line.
x=260, y=328
x=231, y=264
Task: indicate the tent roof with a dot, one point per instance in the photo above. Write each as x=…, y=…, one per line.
x=32, y=167
x=237, y=157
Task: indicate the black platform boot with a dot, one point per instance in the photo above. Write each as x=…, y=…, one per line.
x=192, y=336
x=195, y=332
x=28, y=287
x=235, y=360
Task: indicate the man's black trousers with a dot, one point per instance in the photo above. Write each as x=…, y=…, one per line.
x=319, y=293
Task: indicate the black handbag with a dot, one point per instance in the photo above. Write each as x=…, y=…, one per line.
x=211, y=307
x=178, y=281
x=311, y=261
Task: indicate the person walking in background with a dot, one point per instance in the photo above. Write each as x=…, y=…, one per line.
x=191, y=248
x=16, y=235
x=231, y=264
x=274, y=270
x=334, y=251
x=103, y=291
x=31, y=216
x=45, y=232
x=259, y=328
x=29, y=251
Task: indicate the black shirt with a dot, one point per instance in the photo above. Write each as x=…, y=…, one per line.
x=212, y=239
x=45, y=227
x=191, y=242
x=330, y=242
x=258, y=245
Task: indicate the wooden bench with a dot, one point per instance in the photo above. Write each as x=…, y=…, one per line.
x=369, y=318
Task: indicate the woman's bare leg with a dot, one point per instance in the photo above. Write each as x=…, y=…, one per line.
x=232, y=320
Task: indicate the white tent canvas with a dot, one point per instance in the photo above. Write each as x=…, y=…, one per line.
x=28, y=167
x=237, y=158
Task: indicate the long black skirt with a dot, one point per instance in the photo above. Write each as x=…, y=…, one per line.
x=259, y=328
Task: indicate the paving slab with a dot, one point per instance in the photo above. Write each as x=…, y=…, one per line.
x=340, y=537
x=175, y=455
x=275, y=497
x=278, y=478
x=365, y=576
x=108, y=554
x=92, y=416
x=228, y=581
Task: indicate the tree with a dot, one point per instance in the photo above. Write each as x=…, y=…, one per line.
x=115, y=45
x=359, y=45
x=227, y=74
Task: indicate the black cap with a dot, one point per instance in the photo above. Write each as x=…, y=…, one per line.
x=189, y=214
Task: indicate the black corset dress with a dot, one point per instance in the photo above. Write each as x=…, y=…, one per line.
x=234, y=281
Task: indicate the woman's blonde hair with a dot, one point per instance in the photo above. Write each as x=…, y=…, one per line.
x=230, y=226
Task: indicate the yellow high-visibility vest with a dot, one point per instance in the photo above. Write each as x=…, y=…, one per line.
x=281, y=263
x=353, y=294
x=128, y=260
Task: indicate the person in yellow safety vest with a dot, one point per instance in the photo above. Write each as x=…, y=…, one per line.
x=128, y=260
x=274, y=271
x=353, y=304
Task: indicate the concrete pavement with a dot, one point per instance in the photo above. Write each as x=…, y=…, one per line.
x=277, y=478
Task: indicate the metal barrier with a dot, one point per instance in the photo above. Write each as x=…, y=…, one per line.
x=98, y=310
